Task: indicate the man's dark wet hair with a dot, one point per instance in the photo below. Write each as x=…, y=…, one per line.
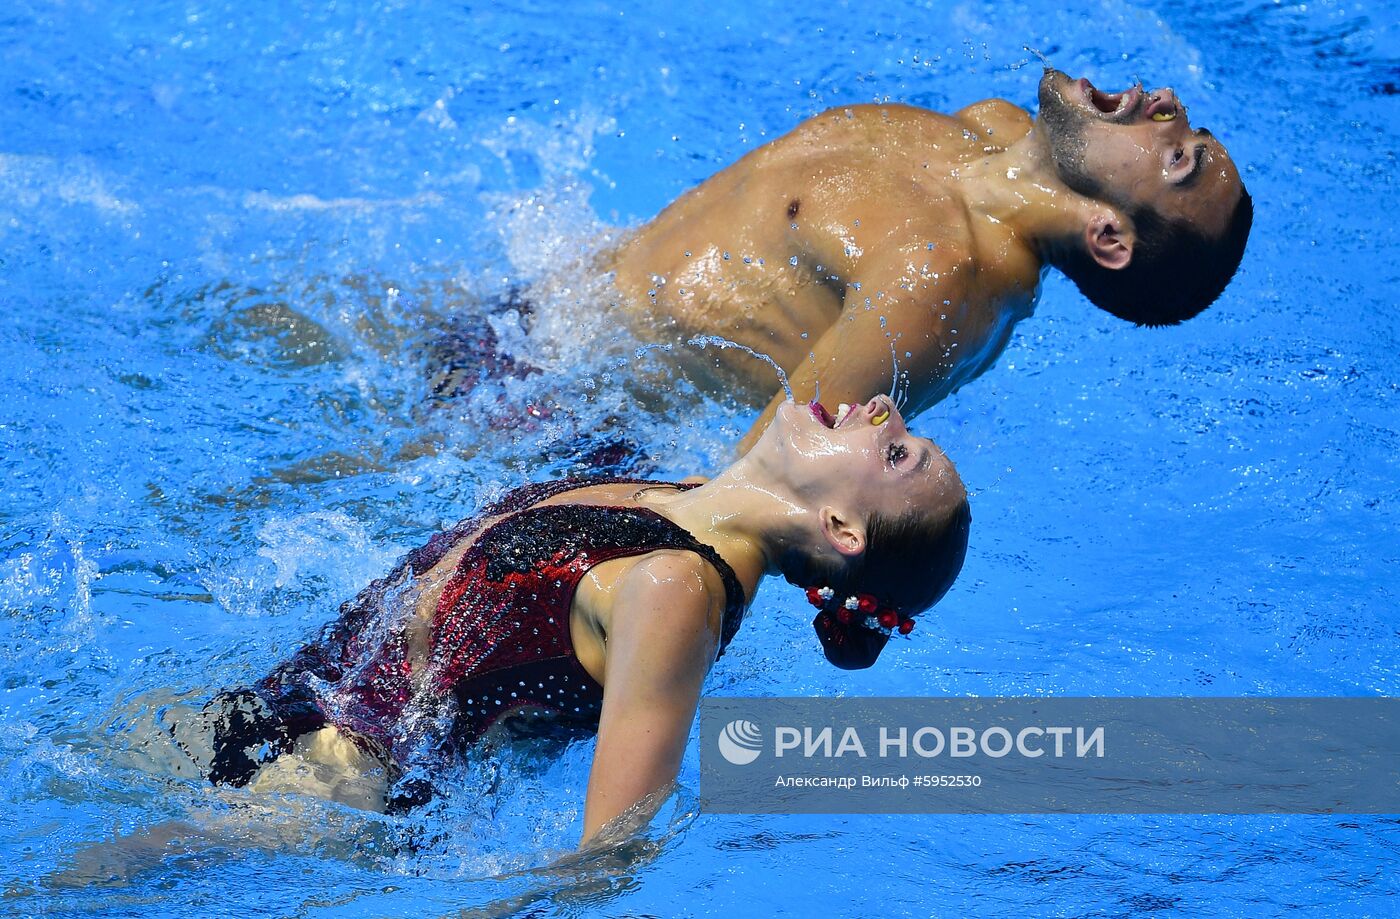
x=1176, y=270
x=909, y=562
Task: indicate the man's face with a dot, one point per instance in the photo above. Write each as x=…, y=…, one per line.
x=1137, y=149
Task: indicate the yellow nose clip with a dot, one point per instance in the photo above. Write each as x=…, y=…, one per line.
x=1163, y=116
x=881, y=418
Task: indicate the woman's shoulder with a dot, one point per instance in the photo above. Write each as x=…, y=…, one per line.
x=673, y=586
x=678, y=569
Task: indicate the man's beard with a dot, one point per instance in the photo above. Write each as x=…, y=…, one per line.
x=1064, y=125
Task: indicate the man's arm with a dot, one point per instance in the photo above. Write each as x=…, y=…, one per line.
x=665, y=633
x=893, y=305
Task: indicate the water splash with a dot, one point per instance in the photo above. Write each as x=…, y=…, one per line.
x=642, y=351
x=894, y=375
x=975, y=492
x=704, y=341
x=899, y=389
x=1029, y=50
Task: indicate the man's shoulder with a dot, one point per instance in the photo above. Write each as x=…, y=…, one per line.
x=874, y=113
x=994, y=121
x=996, y=117
x=995, y=108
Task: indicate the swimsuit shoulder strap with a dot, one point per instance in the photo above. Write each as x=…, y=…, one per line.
x=604, y=532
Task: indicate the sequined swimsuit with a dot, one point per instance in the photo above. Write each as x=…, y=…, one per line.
x=499, y=638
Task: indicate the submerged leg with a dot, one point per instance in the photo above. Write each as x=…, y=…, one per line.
x=231, y=737
x=328, y=765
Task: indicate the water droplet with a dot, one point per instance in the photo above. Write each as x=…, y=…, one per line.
x=793, y=261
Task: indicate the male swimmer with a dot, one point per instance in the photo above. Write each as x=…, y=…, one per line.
x=876, y=234
x=601, y=604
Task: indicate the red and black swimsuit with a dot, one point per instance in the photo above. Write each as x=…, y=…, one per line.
x=499, y=639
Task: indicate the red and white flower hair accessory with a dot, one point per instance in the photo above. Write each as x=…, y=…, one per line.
x=861, y=609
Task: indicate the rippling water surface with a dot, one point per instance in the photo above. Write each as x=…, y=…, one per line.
x=231, y=235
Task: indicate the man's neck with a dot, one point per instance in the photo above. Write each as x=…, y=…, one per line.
x=1019, y=190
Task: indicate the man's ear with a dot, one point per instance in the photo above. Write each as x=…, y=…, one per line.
x=845, y=535
x=1108, y=241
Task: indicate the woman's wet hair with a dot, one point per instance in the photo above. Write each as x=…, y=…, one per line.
x=1176, y=270
x=910, y=561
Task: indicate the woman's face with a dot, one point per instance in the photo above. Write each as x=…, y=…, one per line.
x=862, y=458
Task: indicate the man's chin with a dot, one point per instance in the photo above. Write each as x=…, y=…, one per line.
x=1054, y=78
x=1054, y=84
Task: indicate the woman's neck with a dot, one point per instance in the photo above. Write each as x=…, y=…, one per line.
x=738, y=513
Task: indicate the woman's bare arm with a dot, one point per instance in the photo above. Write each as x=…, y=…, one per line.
x=664, y=635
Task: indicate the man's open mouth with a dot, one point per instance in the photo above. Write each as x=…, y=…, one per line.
x=1105, y=102
x=1111, y=103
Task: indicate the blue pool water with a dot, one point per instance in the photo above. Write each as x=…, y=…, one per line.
x=229, y=234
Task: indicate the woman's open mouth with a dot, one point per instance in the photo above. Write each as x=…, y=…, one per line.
x=843, y=412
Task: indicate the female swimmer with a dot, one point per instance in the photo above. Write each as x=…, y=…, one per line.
x=601, y=603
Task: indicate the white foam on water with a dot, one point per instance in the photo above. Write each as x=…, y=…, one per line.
x=328, y=545
x=51, y=588
x=34, y=182
x=261, y=200
x=593, y=381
